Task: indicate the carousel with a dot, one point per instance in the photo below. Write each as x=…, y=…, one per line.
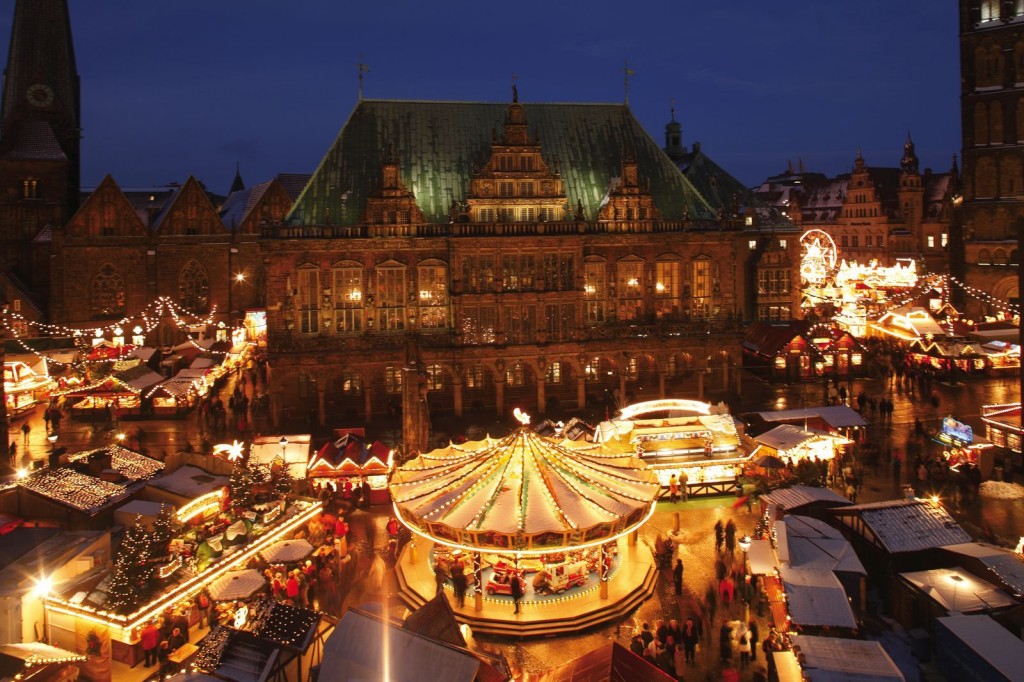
x=559, y=518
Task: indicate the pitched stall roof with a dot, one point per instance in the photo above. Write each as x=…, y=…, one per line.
x=610, y=662
x=907, y=525
x=804, y=542
x=990, y=640
x=797, y=496
x=1004, y=565
x=816, y=598
x=836, y=416
x=834, y=659
x=958, y=591
x=439, y=144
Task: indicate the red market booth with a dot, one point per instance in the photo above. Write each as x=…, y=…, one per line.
x=349, y=457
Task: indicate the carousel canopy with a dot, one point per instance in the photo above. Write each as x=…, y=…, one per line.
x=523, y=484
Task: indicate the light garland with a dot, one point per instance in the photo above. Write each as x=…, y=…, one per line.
x=985, y=297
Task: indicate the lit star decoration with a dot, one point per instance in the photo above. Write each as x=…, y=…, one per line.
x=235, y=450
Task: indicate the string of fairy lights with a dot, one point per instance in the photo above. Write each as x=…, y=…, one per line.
x=139, y=324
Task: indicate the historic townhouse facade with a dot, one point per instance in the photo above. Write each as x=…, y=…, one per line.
x=540, y=256
x=992, y=113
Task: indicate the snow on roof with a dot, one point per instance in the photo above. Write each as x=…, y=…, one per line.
x=799, y=495
x=991, y=641
x=837, y=416
x=958, y=591
x=834, y=659
x=789, y=436
x=1008, y=566
x=72, y=489
x=804, y=542
x=816, y=597
x=189, y=482
x=908, y=525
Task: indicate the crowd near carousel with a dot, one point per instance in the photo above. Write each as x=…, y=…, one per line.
x=541, y=533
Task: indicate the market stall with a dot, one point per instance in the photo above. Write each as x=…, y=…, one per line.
x=27, y=382
x=960, y=447
x=792, y=444
x=350, y=458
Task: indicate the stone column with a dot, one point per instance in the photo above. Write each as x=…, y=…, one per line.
x=541, y=397
x=457, y=385
x=499, y=396
x=368, y=403
x=700, y=384
x=321, y=403
x=661, y=384
x=581, y=393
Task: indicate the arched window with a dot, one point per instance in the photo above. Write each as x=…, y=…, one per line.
x=984, y=257
x=194, y=288
x=999, y=257
x=1009, y=176
x=996, y=123
x=351, y=383
x=106, y=295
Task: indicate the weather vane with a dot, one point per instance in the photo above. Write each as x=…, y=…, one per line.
x=363, y=68
x=628, y=72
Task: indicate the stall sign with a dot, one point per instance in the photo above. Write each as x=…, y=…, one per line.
x=954, y=431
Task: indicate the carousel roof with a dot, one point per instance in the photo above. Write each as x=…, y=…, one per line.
x=523, y=483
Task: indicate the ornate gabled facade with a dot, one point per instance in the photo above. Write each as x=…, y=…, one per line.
x=109, y=263
x=874, y=213
x=992, y=115
x=544, y=256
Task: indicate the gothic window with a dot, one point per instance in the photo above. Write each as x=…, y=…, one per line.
x=391, y=298
x=592, y=370
x=985, y=178
x=194, y=288
x=107, y=293
x=392, y=379
x=309, y=300
x=1009, y=176
x=666, y=289
x=476, y=376
x=700, y=286
x=30, y=188
x=559, y=321
x=594, y=291
x=630, y=289
x=348, y=297
x=554, y=373
x=433, y=295
x=351, y=383
x=435, y=378
x=984, y=257
x=989, y=10
x=633, y=368
x=506, y=189
x=999, y=257
x=996, y=123
x=515, y=375
x=520, y=324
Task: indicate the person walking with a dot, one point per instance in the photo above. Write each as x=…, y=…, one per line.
x=744, y=646
x=461, y=584
x=439, y=579
x=754, y=640
x=730, y=536
x=725, y=642
x=684, y=491
x=677, y=576
x=690, y=636
x=719, y=536
x=12, y=452
x=25, y=428
x=516, y=587
x=673, y=489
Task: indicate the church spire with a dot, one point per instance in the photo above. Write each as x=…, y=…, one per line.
x=909, y=162
x=237, y=185
x=41, y=85
x=674, y=137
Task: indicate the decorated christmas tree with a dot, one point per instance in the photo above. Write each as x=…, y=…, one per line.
x=240, y=486
x=130, y=583
x=282, y=480
x=164, y=529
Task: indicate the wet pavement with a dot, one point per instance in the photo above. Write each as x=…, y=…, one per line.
x=1001, y=520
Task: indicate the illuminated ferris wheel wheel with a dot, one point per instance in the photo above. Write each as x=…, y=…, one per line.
x=818, y=257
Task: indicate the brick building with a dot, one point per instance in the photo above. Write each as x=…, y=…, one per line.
x=992, y=114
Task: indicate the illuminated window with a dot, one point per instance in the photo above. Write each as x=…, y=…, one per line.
x=107, y=292
x=554, y=373
x=630, y=285
x=931, y=241
x=520, y=324
x=348, y=299
x=527, y=215
x=392, y=379
x=700, y=287
x=633, y=369
x=989, y=10
x=309, y=300
x=194, y=288
x=475, y=376
x=780, y=362
x=435, y=377
x=515, y=375
x=749, y=220
x=559, y=321
x=594, y=284
x=592, y=370
x=391, y=298
x=856, y=358
x=30, y=188
x=782, y=244
x=752, y=244
x=351, y=383
x=666, y=289
x=517, y=272
x=485, y=215
x=944, y=239
x=433, y=296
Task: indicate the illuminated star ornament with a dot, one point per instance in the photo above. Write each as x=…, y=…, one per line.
x=234, y=450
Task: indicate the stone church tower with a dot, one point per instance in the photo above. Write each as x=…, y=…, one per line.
x=40, y=130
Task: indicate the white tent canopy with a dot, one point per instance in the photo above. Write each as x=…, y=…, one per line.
x=236, y=585
x=805, y=542
x=834, y=659
x=287, y=551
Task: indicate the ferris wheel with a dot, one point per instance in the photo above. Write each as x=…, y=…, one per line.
x=818, y=256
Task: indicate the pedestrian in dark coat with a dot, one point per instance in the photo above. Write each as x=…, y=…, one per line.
x=725, y=642
x=677, y=576
x=516, y=586
x=719, y=535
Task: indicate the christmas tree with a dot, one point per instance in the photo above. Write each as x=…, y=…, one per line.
x=164, y=529
x=282, y=480
x=240, y=486
x=130, y=583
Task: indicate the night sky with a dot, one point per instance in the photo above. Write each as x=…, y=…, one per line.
x=190, y=87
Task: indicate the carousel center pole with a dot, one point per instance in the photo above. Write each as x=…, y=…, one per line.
x=478, y=581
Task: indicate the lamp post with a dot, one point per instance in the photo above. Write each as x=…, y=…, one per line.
x=744, y=544
x=52, y=438
x=41, y=591
x=284, y=444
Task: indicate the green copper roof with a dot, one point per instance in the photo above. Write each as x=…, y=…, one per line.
x=439, y=144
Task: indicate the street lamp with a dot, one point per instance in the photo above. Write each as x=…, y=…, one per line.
x=284, y=444
x=41, y=591
x=744, y=544
x=52, y=437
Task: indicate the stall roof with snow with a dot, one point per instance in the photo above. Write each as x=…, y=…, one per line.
x=835, y=659
x=816, y=598
x=189, y=482
x=899, y=526
x=804, y=542
x=788, y=436
x=835, y=416
x=958, y=591
x=993, y=643
x=1002, y=564
x=797, y=496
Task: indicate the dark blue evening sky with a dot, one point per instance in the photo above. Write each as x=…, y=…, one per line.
x=177, y=88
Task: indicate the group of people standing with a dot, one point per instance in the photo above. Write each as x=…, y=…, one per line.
x=670, y=646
